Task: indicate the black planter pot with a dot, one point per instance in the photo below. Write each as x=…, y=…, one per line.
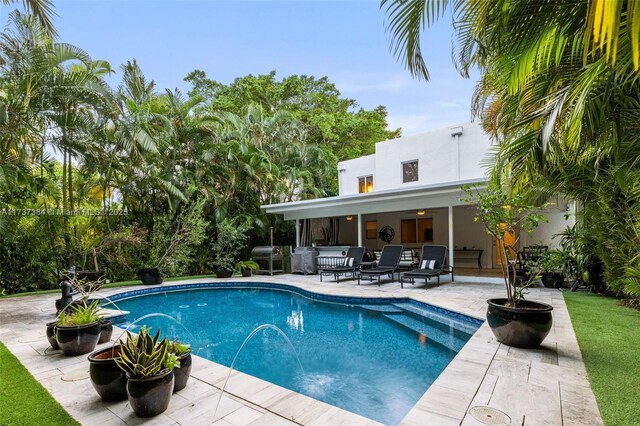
x=246, y=272
x=51, y=335
x=182, y=373
x=106, y=377
x=106, y=330
x=78, y=339
x=224, y=273
x=150, y=397
x=523, y=327
x=149, y=276
x=91, y=275
x=550, y=279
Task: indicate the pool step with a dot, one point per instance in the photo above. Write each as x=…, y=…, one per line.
x=387, y=309
x=453, y=340
x=436, y=316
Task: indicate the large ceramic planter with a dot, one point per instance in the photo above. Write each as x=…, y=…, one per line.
x=51, y=335
x=246, y=273
x=224, y=273
x=523, y=327
x=106, y=377
x=78, y=339
x=149, y=276
x=106, y=330
x=182, y=373
x=91, y=275
x=150, y=396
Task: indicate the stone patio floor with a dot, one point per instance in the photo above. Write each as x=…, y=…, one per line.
x=545, y=386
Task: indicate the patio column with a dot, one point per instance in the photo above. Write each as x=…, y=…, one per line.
x=297, y=232
x=451, y=236
x=360, y=230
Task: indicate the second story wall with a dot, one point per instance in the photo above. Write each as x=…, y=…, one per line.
x=441, y=157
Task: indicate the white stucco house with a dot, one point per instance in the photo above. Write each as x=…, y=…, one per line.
x=412, y=185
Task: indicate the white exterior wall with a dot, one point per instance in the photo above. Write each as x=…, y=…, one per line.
x=441, y=158
x=349, y=172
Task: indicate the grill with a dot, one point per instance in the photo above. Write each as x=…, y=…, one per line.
x=266, y=256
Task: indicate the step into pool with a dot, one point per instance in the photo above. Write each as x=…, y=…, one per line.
x=374, y=358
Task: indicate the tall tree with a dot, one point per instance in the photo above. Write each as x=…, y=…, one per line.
x=329, y=118
x=559, y=90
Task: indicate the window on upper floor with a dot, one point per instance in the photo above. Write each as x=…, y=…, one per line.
x=410, y=171
x=365, y=184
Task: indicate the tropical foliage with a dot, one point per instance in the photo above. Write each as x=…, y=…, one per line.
x=560, y=92
x=134, y=176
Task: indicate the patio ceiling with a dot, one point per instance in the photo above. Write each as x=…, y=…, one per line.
x=415, y=197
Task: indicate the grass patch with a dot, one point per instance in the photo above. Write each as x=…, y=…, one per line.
x=111, y=285
x=23, y=400
x=609, y=336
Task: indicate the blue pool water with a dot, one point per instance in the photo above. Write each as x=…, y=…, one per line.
x=376, y=360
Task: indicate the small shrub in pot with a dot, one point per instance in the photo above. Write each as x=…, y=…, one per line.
x=246, y=267
x=183, y=370
x=149, y=367
x=78, y=332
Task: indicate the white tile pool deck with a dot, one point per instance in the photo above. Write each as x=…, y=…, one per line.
x=545, y=386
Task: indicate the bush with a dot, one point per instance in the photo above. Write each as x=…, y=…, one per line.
x=231, y=235
x=175, y=238
x=31, y=253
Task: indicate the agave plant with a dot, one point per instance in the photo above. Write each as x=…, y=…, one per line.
x=145, y=356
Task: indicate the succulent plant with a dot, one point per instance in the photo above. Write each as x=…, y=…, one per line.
x=145, y=356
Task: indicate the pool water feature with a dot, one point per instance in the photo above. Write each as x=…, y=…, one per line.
x=374, y=358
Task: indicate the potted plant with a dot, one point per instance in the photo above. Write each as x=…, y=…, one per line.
x=150, y=276
x=513, y=320
x=230, y=238
x=66, y=309
x=182, y=371
x=550, y=265
x=149, y=368
x=577, y=262
x=106, y=330
x=245, y=267
x=78, y=332
x=106, y=377
x=51, y=335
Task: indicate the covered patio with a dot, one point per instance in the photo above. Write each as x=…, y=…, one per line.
x=427, y=214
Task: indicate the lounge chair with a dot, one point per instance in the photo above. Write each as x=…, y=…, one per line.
x=352, y=261
x=431, y=265
x=387, y=263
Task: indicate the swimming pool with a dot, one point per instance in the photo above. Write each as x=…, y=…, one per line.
x=373, y=357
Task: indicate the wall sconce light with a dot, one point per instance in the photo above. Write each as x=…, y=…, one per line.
x=420, y=212
x=349, y=217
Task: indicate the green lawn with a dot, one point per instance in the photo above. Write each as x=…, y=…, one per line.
x=23, y=401
x=609, y=338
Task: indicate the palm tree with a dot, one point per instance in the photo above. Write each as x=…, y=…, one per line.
x=43, y=11
x=559, y=90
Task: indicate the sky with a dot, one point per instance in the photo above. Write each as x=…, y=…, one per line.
x=343, y=40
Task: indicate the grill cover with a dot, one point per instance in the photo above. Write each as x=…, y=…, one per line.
x=303, y=260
